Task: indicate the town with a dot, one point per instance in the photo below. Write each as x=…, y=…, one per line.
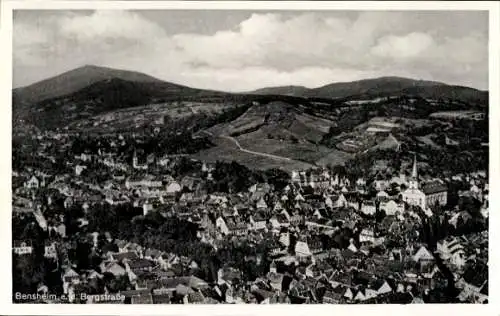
x=96, y=219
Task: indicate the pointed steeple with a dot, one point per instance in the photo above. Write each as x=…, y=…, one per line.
x=414, y=173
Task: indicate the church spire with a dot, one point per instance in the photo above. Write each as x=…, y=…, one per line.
x=414, y=173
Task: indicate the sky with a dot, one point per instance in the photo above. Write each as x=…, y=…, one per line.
x=233, y=50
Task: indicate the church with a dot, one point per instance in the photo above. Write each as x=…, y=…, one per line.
x=429, y=195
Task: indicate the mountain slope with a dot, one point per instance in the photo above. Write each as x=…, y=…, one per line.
x=103, y=96
x=384, y=86
x=277, y=134
x=89, y=91
x=369, y=86
x=283, y=90
x=72, y=81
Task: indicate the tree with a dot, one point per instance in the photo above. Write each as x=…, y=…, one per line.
x=379, y=215
x=277, y=177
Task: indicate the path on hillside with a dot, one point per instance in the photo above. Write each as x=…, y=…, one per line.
x=257, y=153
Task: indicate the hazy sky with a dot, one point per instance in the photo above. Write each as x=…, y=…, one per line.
x=243, y=50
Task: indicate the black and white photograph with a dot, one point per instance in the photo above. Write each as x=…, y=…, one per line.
x=238, y=156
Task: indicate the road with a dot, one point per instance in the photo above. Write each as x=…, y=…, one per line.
x=257, y=153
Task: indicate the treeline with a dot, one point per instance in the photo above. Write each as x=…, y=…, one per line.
x=232, y=177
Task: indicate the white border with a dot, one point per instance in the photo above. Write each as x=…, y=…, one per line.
x=6, y=306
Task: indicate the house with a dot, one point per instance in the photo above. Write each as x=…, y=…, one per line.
x=382, y=195
x=147, y=207
x=69, y=278
x=333, y=296
x=284, y=239
x=381, y=286
x=228, y=276
x=435, y=192
x=258, y=221
x=112, y=267
x=139, y=265
x=153, y=255
x=283, y=220
x=22, y=247
x=274, y=223
x=399, y=180
x=336, y=201
x=360, y=296
x=452, y=251
x=367, y=235
x=186, y=198
x=429, y=275
x=320, y=213
x=189, y=182
x=315, y=244
x=296, y=219
x=361, y=182
x=124, y=247
x=220, y=224
x=423, y=256
x=302, y=250
x=368, y=207
x=391, y=207
x=381, y=185
x=348, y=294
x=353, y=201
x=236, y=226
x=261, y=204
x=299, y=198
x=173, y=187
x=50, y=250
x=137, y=296
x=275, y=280
x=32, y=183
x=143, y=182
x=79, y=169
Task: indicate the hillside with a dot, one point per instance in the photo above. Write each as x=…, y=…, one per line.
x=384, y=86
x=103, y=96
x=275, y=133
x=296, y=91
x=90, y=91
x=72, y=81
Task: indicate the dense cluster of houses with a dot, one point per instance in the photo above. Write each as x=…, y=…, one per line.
x=304, y=225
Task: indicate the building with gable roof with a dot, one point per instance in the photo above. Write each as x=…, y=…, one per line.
x=429, y=194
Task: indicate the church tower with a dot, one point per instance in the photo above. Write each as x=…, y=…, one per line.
x=135, y=162
x=413, y=183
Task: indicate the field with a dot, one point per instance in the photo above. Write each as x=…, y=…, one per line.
x=429, y=142
x=149, y=114
x=334, y=157
x=282, y=146
x=278, y=129
x=228, y=151
x=452, y=115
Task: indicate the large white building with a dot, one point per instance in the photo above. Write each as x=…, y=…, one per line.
x=413, y=195
x=431, y=193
